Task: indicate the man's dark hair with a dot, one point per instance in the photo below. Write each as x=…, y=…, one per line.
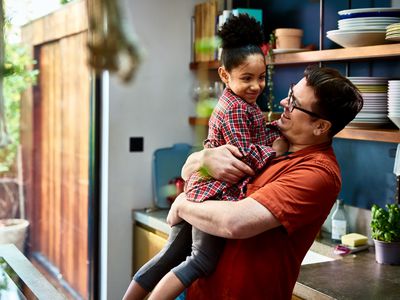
x=338, y=99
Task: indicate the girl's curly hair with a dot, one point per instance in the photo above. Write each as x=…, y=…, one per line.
x=241, y=37
x=240, y=31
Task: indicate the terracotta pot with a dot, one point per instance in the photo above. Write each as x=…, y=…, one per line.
x=387, y=253
x=288, y=38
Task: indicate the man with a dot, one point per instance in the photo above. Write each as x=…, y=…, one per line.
x=270, y=231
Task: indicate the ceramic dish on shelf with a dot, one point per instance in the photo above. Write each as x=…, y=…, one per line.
x=373, y=20
x=369, y=12
x=394, y=38
x=364, y=23
x=364, y=27
x=289, y=50
x=372, y=88
x=395, y=120
x=393, y=32
x=349, y=38
x=368, y=78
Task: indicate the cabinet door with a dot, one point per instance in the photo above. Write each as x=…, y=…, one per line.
x=147, y=243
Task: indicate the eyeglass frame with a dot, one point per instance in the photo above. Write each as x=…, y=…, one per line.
x=292, y=105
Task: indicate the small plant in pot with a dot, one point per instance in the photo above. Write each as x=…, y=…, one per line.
x=385, y=230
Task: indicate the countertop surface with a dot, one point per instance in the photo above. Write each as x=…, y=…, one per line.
x=154, y=218
x=355, y=276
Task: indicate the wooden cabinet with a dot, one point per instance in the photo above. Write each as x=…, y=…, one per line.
x=147, y=243
x=150, y=233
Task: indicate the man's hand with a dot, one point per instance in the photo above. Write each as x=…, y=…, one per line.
x=173, y=217
x=223, y=163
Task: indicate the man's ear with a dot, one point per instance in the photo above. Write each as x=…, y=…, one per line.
x=322, y=127
x=223, y=74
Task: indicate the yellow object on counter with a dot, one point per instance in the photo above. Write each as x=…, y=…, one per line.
x=354, y=239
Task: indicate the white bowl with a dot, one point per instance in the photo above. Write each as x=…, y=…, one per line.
x=356, y=38
x=364, y=27
x=370, y=12
x=393, y=39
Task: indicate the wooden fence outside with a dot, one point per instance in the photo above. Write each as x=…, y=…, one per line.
x=55, y=147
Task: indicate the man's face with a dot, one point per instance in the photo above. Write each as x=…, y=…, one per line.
x=298, y=125
x=248, y=80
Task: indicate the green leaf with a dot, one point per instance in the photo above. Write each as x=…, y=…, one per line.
x=19, y=75
x=385, y=224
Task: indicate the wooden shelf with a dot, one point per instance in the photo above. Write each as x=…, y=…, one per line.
x=210, y=65
x=342, y=54
x=354, y=53
x=194, y=121
x=375, y=135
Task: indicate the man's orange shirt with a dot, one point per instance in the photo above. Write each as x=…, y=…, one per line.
x=300, y=190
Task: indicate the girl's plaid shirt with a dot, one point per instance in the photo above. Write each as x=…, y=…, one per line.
x=243, y=125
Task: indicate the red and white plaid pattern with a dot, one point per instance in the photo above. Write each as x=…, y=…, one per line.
x=243, y=125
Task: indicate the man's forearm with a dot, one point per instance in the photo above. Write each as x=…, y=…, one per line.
x=228, y=219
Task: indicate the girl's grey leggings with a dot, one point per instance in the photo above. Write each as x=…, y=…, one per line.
x=188, y=260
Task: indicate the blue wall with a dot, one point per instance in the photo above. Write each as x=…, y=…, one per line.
x=367, y=172
x=367, y=167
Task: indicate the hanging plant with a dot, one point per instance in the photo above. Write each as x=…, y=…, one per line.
x=16, y=76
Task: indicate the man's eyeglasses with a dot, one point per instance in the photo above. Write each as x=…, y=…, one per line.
x=293, y=105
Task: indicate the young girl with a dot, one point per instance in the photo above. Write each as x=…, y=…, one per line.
x=236, y=120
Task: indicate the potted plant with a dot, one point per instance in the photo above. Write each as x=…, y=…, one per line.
x=385, y=229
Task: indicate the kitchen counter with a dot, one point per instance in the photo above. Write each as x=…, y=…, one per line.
x=153, y=218
x=356, y=276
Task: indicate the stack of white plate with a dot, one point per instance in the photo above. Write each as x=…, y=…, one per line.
x=363, y=26
x=394, y=102
x=366, y=24
x=393, y=32
x=374, y=93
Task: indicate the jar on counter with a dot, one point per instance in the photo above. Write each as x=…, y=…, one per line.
x=339, y=221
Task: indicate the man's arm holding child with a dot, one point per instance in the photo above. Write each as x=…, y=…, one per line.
x=229, y=219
